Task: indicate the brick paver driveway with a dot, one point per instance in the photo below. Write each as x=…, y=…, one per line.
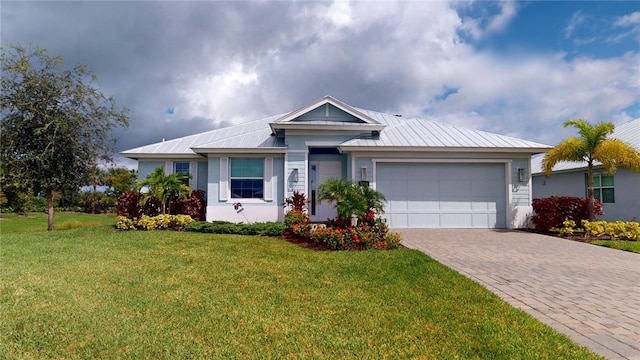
x=590, y=293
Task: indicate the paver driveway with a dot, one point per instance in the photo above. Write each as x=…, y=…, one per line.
x=590, y=293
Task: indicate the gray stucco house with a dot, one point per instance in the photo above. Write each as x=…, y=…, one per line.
x=619, y=192
x=433, y=175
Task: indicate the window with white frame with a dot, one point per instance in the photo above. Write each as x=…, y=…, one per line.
x=603, y=188
x=247, y=178
x=182, y=168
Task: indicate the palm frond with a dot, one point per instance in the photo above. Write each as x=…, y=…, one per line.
x=571, y=149
x=615, y=153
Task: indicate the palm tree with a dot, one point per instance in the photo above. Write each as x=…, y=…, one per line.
x=592, y=145
x=351, y=199
x=162, y=186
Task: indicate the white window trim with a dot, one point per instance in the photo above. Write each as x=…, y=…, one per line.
x=267, y=179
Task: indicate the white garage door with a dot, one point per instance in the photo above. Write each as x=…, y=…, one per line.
x=450, y=195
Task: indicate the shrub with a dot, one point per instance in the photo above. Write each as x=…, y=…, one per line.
x=95, y=202
x=297, y=224
x=334, y=238
x=552, y=212
x=224, y=227
x=194, y=205
x=629, y=230
x=363, y=236
x=128, y=205
x=297, y=202
x=124, y=223
x=160, y=222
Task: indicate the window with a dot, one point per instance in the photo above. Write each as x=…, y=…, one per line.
x=247, y=178
x=182, y=168
x=603, y=189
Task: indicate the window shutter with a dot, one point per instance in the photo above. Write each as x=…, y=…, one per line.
x=268, y=176
x=193, y=171
x=168, y=167
x=223, y=184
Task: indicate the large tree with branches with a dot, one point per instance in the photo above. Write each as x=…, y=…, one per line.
x=593, y=145
x=56, y=123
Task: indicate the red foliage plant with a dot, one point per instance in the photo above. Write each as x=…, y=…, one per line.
x=552, y=212
x=128, y=204
x=297, y=202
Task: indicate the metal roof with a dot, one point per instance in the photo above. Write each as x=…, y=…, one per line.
x=252, y=134
x=424, y=133
x=396, y=133
x=628, y=132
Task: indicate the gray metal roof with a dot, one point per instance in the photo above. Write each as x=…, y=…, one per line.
x=252, y=134
x=397, y=133
x=424, y=133
x=628, y=132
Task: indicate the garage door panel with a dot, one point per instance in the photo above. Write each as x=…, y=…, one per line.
x=418, y=205
x=455, y=220
x=429, y=220
x=443, y=195
x=458, y=188
x=449, y=205
x=394, y=206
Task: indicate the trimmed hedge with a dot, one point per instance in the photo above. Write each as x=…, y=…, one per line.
x=225, y=227
x=159, y=222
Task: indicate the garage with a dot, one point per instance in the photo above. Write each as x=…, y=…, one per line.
x=443, y=195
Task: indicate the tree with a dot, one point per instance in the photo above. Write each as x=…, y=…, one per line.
x=119, y=180
x=56, y=123
x=351, y=199
x=592, y=145
x=162, y=186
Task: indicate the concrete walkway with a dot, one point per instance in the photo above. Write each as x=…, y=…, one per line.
x=589, y=293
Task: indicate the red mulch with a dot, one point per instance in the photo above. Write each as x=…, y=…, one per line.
x=304, y=243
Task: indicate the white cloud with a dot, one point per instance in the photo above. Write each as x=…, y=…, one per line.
x=632, y=19
x=502, y=20
x=577, y=19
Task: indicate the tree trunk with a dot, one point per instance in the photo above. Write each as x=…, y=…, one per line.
x=49, y=197
x=592, y=203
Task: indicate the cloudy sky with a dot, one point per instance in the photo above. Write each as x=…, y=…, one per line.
x=513, y=68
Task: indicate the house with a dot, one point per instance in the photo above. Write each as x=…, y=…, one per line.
x=619, y=192
x=433, y=175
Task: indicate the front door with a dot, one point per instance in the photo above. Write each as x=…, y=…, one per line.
x=319, y=172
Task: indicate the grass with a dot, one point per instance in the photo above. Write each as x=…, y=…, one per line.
x=97, y=293
x=632, y=246
x=35, y=222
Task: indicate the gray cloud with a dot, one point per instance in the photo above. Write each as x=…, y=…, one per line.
x=218, y=63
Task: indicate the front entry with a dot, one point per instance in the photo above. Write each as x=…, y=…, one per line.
x=319, y=172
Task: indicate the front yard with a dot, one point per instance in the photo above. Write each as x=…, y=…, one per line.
x=97, y=293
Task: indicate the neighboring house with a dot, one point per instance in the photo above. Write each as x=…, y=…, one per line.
x=433, y=175
x=619, y=192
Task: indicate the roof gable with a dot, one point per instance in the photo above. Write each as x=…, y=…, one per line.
x=326, y=109
x=327, y=113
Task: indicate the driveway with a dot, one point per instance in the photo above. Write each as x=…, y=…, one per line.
x=589, y=293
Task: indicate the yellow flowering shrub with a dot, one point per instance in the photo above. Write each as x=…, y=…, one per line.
x=629, y=230
x=160, y=222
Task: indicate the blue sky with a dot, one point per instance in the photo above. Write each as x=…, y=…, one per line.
x=514, y=68
x=577, y=28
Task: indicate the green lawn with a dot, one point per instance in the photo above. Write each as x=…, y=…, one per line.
x=97, y=293
x=34, y=222
x=633, y=246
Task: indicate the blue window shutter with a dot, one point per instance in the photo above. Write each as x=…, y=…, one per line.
x=223, y=185
x=268, y=176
